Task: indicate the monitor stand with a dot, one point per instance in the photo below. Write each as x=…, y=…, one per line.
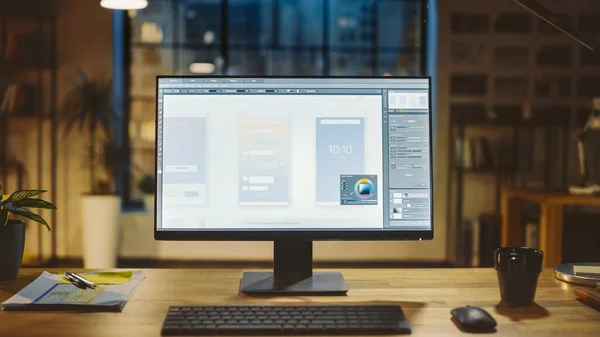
x=292, y=274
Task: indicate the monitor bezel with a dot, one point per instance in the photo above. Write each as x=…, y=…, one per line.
x=308, y=235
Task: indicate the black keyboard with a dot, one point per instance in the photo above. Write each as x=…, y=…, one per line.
x=285, y=320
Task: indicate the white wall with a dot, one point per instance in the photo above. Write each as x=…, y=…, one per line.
x=84, y=42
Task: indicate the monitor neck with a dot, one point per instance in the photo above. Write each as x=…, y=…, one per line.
x=293, y=261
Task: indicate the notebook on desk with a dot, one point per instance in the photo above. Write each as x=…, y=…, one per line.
x=50, y=292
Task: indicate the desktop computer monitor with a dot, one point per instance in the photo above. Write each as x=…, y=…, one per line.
x=293, y=160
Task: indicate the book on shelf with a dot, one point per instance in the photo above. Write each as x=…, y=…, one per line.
x=489, y=238
x=18, y=99
x=473, y=153
x=464, y=158
x=482, y=237
x=532, y=234
x=475, y=244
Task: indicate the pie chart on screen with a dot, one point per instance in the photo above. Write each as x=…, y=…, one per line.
x=364, y=188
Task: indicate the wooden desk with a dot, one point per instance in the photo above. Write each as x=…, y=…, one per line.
x=551, y=219
x=426, y=295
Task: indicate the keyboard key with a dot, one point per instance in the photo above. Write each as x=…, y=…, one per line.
x=180, y=321
x=230, y=328
x=322, y=321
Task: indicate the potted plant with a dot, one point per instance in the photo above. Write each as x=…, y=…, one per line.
x=12, y=231
x=147, y=186
x=89, y=106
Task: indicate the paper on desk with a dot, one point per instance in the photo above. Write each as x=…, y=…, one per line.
x=119, y=277
x=46, y=293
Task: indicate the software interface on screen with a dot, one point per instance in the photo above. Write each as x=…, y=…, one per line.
x=293, y=154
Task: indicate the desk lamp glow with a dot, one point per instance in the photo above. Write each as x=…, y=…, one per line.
x=124, y=4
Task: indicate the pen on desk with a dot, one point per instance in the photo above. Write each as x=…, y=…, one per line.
x=81, y=279
x=76, y=282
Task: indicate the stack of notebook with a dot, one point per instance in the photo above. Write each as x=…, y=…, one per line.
x=54, y=292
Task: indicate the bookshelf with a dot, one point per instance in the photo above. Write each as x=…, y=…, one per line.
x=28, y=106
x=522, y=84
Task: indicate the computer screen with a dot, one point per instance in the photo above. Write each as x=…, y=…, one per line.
x=243, y=154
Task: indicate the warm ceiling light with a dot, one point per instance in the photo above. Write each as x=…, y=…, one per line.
x=202, y=68
x=124, y=4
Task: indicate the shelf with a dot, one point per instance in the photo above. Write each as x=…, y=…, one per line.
x=18, y=123
x=28, y=117
x=510, y=115
x=27, y=10
x=22, y=66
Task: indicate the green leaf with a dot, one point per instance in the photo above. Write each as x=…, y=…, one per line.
x=11, y=207
x=24, y=212
x=18, y=195
x=34, y=203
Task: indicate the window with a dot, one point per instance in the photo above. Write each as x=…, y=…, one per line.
x=262, y=37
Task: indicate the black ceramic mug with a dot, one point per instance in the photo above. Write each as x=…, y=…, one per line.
x=518, y=270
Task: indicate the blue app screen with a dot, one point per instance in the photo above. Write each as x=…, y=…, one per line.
x=340, y=150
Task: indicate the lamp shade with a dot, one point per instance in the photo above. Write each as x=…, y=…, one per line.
x=202, y=68
x=124, y=4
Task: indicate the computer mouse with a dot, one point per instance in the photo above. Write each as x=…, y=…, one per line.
x=473, y=318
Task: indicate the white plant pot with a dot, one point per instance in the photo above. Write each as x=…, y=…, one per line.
x=149, y=203
x=100, y=219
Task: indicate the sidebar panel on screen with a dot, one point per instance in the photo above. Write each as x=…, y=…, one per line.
x=184, y=161
x=340, y=151
x=264, y=160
